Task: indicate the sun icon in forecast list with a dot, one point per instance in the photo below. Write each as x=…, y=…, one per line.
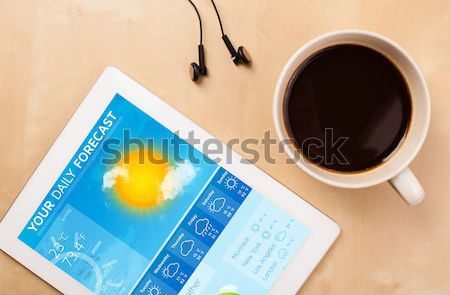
x=231, y=183
x=154, y=290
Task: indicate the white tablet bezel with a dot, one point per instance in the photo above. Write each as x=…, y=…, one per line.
x=324, y=231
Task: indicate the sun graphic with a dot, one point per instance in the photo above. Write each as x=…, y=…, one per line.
x=140, y=184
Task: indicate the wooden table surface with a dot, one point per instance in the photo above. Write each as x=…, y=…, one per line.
x=51, y=53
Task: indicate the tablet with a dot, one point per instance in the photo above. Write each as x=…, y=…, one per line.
x=127, y=202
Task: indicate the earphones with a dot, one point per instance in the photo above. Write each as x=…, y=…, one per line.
x=239, y=56
x=197, y=70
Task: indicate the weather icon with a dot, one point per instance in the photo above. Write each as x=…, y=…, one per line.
x=266, y=235
x=255, y=227
x=216, y=205
x=280, y=236
x=201, y=226
x=170, y=270
x=282, y=253
x=186, y=247
x=231, y=183
x=154, y=290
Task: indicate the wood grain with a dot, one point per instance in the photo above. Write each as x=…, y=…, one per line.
x=51, y=53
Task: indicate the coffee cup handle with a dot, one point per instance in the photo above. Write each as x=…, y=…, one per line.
x=407, y=185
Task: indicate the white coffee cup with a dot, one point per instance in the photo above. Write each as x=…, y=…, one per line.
x=395, y=169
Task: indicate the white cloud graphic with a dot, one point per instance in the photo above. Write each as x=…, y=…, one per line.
x=171, y=270
x=216, y=205
x=186, y=247
x=176, y=179
x=109, y=178
x=201, y=226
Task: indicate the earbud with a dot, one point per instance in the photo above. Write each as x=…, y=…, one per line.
x=239, y=56
x=197, y=70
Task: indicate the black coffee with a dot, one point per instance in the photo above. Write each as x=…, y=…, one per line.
x=347, y=108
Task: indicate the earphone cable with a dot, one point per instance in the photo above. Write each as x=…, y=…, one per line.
x=218, y=17
x=199, y=21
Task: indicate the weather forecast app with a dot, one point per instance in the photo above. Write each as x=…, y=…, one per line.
x=137, y=210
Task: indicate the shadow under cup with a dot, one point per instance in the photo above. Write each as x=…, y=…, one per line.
x=347, y=108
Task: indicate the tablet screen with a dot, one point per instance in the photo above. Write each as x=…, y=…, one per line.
x=139, y=210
